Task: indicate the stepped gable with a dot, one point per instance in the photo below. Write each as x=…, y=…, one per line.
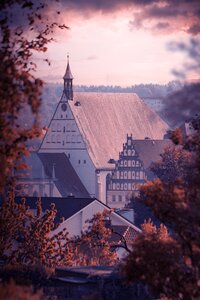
x=66, y=179
x=104, y=120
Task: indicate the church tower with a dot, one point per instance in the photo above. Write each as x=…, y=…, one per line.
x=68, y=82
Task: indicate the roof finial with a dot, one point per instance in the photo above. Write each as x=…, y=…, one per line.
x=67, y=57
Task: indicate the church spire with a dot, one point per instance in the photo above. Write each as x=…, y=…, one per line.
x=68, y=85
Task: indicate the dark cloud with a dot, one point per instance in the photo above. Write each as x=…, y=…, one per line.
x=181, y=14
x=162, y=25
x=183, y=105
x=194, y=29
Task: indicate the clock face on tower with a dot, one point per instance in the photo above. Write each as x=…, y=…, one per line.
x=64, y=107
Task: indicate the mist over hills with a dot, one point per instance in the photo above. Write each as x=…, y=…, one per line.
x=53, y=91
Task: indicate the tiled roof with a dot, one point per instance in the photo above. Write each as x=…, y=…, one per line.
x=149, y=150
x=105, y=119
x=120, y=232
x=67, y=180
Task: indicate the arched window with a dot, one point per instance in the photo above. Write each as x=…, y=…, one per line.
x=125, y=175
x=53, y=138
x=125, y=186
x=133, y=174
x=67, y=127
x=53, y=127
x=133, y=163
x=68, y=138
x=58, y=127
x=73, y=138
x=125, y=163
x=78, y=138
x=58, y=138
x=113, y=186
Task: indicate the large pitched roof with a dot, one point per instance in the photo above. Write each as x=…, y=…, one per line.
x=67, y=180
x=105, y=119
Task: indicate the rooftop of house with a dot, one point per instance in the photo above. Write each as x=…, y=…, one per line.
x=66, y=179
x=105, y=119
x=66, y=207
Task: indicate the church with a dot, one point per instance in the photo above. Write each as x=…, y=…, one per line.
x=87, y=131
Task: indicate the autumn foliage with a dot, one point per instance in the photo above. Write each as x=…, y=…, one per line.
x=169, y=260
x=93, y=247
x=21, y=36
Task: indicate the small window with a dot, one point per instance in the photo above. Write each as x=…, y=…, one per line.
x=125, y=175
x=58, y=138
x=68, y=138
x=53, y=127
x=84, y=161
x=133, y=163
x=113, y=186
x=79, y=161
x=73, y=138
x=53, y=138
x=129, y=163
x=58, y=127
x=113, y=198
x=120, y=197
x=125, y=186
x=125, y=163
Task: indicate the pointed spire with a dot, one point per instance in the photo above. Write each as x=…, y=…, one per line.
x=68, y=73
x=68, y=85
x=53, y=172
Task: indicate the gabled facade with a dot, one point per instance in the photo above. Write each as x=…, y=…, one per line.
x=128, y=176
x=132, y=169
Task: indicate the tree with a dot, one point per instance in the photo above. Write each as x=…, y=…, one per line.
x=93, y=247
x=26, y=238
x=170, y=263
x=25, y=28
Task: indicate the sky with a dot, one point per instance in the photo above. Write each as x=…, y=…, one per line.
x=113, y=42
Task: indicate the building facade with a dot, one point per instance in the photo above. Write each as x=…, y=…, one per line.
x=128, y=176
